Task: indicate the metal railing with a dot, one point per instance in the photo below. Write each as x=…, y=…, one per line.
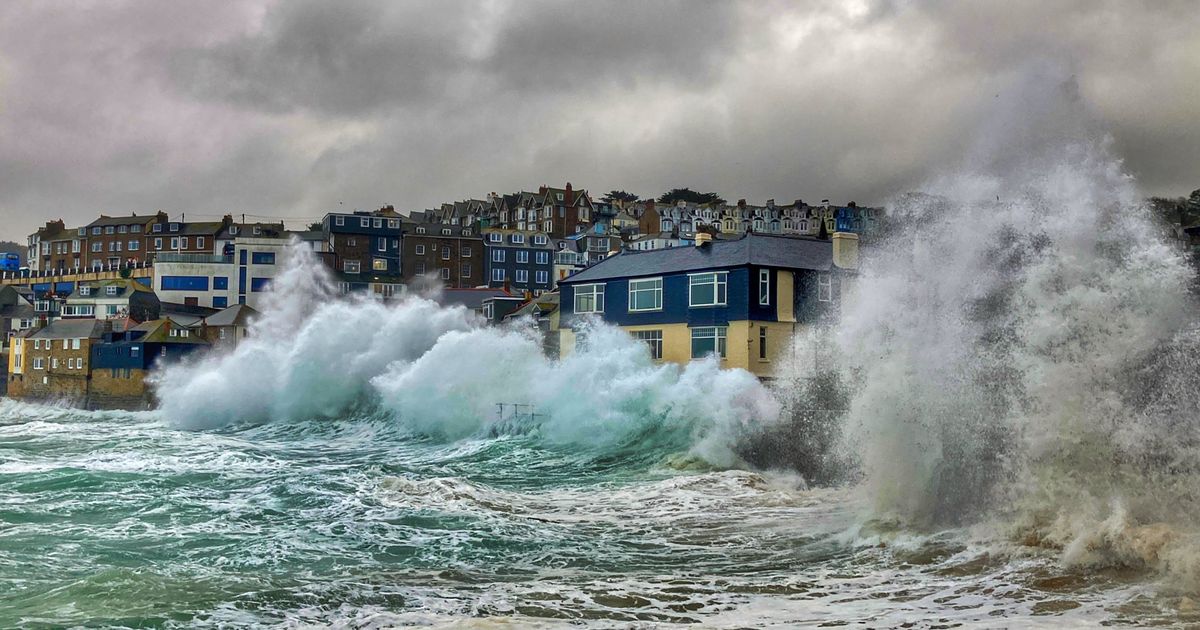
x=31, y=274
x=212, y=259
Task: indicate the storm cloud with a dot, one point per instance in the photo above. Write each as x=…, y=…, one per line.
x=292, y=109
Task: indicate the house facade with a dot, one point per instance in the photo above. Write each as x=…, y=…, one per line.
x=53, y=362
x=220, y=281
x=364, y=242
x=117, y=241
x=523, y=261
x=121, y=360
x=451, y=254
x=740, y=300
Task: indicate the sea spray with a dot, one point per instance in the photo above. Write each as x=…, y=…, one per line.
x=442, y=372
x=997, y=352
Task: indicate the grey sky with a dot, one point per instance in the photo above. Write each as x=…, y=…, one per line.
x=288, y=109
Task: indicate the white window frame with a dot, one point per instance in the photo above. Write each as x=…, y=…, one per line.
x=497, y=274
x=522, y=276
x=541, y=277
x=364, y=222
x=420, y=250
x=498, y=255
x=351, y=266
x=654, y=286
x=718, y=334
x=653, y=339
x=764, y=287
x=720, y=282
x=522, y=256
x=495, y=237
x=594, y=291
x=445, y=273
x=824, y=287
x=339, y=221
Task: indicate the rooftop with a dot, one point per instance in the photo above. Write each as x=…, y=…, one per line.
x=752, y=249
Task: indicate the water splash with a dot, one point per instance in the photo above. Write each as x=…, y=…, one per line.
x=441, y=372
x=1019, y=350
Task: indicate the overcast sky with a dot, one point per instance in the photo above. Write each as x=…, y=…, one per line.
x=293, y=109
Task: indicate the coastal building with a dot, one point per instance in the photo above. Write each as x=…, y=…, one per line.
x=53, y=362
x=121, y=360
x=121, y=298
x=740, y=300
x=520, y=260
x=219, y=281
x=450, y=254
x=561, y=212
x=471, y=299
x=365, y=243
x=544, y=312
x=55, y=248
x=180, y=237
x=117, y=241
x=227, y=328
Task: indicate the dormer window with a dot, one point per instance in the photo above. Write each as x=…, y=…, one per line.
x=110, y=290
x=445, y=232
x=539, y=240
x=156, y=229
x=420, y=230
x=518, y=239
x=257, y=230
x=174, y=227
x=233, y=230
x=364, y=222
x=558, y=196
x=339, y=220
x=85, y=291
x=466, y=232
x=378, y=223
x=495, y=237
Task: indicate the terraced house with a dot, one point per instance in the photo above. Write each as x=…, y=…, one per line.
x=740, y=300
x=522, y=261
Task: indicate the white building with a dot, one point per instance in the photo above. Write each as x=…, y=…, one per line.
x=220, y=281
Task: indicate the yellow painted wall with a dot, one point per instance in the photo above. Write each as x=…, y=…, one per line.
x=785, y=295
x=677, y=341
x=741, y=344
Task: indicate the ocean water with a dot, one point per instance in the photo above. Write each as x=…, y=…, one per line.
x=112, y=519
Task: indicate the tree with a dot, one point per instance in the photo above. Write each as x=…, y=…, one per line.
x=614, y=196
x=689, y=195
x=316, y=227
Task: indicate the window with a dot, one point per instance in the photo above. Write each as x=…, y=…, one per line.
x=497, y=255
x=539, y=239
x=111, y=290
x=420, y=250
x=156, y=228
x=339, y=220
x=183, y=283
x=646, y=295
x=653, y=339
x=522, y=276
x=174, y=242
x=134, y=246
x=66, y=344
x=97, y=247
x=96, y=231
x=379, y=264
x=421, y=230
x=497, y=275
x=378, y=223
x=54, y=363
x=589, y=298
x=350, y=266
x=157, y=242
x=708, y=340
x=393, y=224
x=707, y=289
x=445, y=252
x=220, y=283
x=75, y=344
x=382, y=243
x=364, y=222
x=495, y=237
x=85, y=291
x=136, y=229
x=199, y=242
x=762, y=343
x=542, y=277
x=466, y=232
x=465, y=251
x=174, y=227
x=824, y=287
x=445, y=273
x=220, y=302
x=352, y=242
x=764, y=287
x=466, y=270
x=518, y=239
x=110, y=230
x=543, y=258
x=39, y=363
x=522, y=256
x=262, y=258
x=135, y=351
x=420, y=269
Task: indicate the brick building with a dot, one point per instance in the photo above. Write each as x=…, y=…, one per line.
x=450, y=253
x=54, y=247
x=52, y=363
x=115, y=241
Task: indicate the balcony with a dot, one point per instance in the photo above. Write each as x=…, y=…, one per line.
x=203, y=259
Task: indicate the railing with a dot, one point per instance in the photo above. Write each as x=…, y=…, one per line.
x=211, y=259
x=30, y=274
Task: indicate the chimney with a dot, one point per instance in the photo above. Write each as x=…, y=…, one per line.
x=741, y=203
x=845, y=250
x=542, y=189
x=703, y=239
x=570, y=196
x=770, y=203
x=506, y=286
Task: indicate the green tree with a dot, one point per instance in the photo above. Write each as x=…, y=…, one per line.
x=689, y=195
x=614, y=196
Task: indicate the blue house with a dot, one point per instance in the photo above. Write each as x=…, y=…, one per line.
x=520, y=260
x=365, y=243
x=741, y=299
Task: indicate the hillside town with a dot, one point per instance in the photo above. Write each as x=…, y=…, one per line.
x=98, y=307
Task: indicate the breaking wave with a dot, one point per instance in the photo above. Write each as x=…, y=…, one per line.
x=1021, y=353
x=441, y=372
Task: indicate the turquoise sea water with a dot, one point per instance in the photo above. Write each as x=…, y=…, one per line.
x=120, y=520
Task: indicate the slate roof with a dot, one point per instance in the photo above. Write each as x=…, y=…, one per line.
x=70, y=329
x=470, y=298
x=545, y=303
x=236, y=315
x=127, y=220
x=752, y=249
x=156, y=331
